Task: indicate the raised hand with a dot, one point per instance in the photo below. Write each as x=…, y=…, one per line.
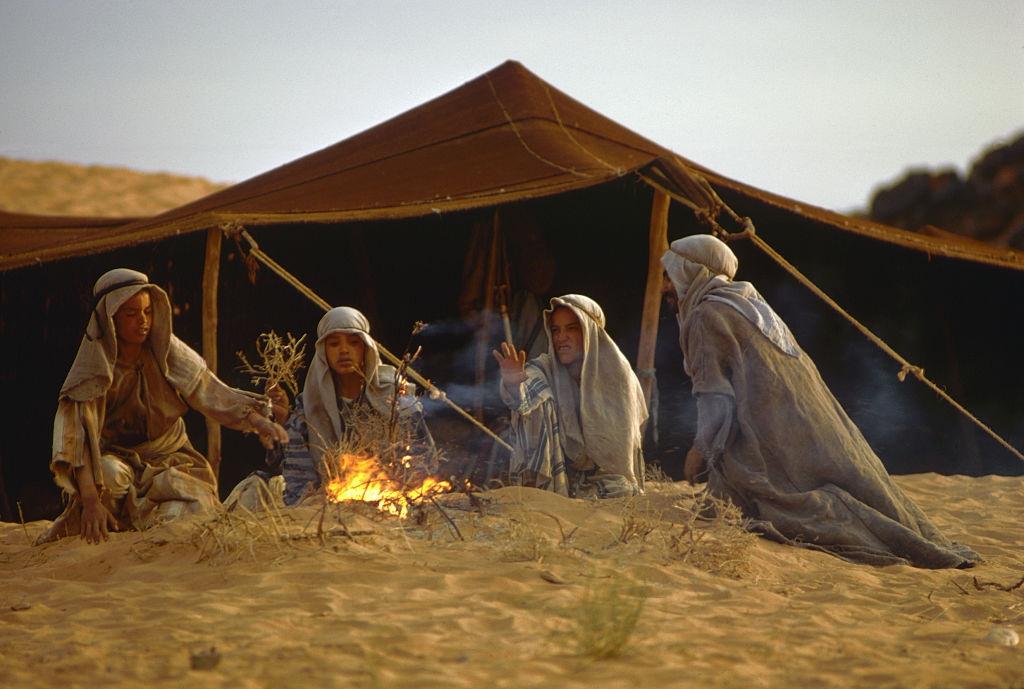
x=512, y=363
x=278, y=402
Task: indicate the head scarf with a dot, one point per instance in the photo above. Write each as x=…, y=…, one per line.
x=602, y=417
x=319, y=398
x=701, y=268
x=93, y=369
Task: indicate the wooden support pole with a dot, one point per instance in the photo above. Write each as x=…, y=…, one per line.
x=657, y=243
x=211, y=278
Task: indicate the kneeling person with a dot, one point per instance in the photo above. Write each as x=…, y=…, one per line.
x=770, y=435
x=119, y=444
x=577, y=411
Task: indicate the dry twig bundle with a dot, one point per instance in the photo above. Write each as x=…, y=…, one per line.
x=383, y=460
x=715, y=536
x=280, y=359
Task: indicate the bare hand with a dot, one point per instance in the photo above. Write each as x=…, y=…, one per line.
x=96, y=520
x=512, y=363
x=278, y=402
x=693, y=466
x=268, y=431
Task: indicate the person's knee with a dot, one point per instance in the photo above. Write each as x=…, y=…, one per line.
x=117, y=476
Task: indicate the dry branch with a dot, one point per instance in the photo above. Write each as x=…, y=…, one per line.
x=280, y=359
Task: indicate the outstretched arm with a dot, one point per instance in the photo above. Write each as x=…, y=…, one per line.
x=235, y=409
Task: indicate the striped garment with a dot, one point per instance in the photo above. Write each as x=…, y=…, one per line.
x=538, y=455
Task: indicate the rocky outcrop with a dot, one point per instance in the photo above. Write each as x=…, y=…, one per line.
x=987, y=205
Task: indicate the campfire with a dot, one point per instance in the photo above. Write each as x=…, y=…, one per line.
x=366, y=479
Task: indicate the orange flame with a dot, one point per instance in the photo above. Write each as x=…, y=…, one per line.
x=364, y=479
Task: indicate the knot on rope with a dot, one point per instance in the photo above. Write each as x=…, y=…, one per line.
x=235, y=230
x=747, y=232
x=909, y=368
x=232, y=229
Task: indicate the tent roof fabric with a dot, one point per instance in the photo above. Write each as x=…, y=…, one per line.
x=29, y=239
x=505, y=136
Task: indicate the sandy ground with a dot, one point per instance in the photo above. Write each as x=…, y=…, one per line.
x=409, y=604
x=53, y=188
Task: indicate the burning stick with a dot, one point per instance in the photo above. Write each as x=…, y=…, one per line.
x=281, y=358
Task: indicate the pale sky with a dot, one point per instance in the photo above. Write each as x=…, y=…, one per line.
x=817, y=100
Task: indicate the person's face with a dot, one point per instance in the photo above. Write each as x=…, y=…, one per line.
x=566, y=336
x=134, y=319
x=344, y=352
x=668, y=291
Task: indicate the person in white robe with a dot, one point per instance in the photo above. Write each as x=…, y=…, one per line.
x=120, y=451
x=577, y=411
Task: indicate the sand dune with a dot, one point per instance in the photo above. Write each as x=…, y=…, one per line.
x=52, y=188
x=409, y=604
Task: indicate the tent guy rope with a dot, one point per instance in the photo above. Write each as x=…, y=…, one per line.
x=235, y=230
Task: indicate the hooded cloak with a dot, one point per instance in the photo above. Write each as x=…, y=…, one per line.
x=776, y=441
x=597, y=421
x=128, y=416
x=319, y=398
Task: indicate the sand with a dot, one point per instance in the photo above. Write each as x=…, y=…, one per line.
x=408, y=604
x=53, y=188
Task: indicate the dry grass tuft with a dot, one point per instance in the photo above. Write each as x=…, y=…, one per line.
x=653, y=473
x=229, y=535
x=637, y=523
x=522, y=541
x=606, y=616
x=714, y=536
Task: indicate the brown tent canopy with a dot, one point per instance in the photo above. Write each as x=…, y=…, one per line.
x=29, y=239
x=502, y=137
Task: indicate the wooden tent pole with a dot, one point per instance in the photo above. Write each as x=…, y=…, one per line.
x=211, y=278
x=657, y=243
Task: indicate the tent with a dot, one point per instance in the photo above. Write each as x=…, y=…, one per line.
x=385, y=220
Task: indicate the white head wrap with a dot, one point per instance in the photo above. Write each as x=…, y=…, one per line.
x=93, y=369
x=319, y=397
x=701, y=267
x=606, y=424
